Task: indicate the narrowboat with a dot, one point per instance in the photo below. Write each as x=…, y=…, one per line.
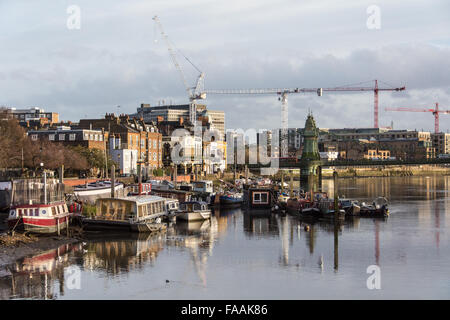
x=136, y=214
x=194, y=210
x=38, y=206
x=39, y=218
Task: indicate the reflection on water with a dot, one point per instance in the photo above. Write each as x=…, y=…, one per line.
x=252, y=255
x=33, y=277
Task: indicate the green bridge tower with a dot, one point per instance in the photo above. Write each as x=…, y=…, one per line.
x=310, y=163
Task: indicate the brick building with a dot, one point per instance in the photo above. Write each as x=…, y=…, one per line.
x=92, y=139
x=143, y=139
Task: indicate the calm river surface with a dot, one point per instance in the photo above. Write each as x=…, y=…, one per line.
x=242, y=256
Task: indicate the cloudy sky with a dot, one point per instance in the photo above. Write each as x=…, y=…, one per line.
x=117, y=57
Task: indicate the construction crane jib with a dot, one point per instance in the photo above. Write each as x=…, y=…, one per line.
x=195, y=92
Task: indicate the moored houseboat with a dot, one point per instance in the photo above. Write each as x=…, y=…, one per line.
x=231, y=199
x=144, y=188
x=90, y=192
x=194, y=210
x=39, y=218
x=136, y=213
x=259, y=198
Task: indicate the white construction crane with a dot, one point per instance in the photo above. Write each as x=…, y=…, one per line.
x=195, y=92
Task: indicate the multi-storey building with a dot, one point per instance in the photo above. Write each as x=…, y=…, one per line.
x=173, y=113
x=130, y=134
x=441, y=142
x=92, y=139
x=31, y=116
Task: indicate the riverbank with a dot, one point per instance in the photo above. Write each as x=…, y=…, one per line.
x=387, y=171
x=13, y=248
x=10, y=254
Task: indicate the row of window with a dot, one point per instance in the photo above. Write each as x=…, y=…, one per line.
x=151, y=208
x=155, y=143
x=34, y=212
x=72, y=137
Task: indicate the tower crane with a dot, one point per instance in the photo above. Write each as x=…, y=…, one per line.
x=195, y=92
x=283, y=92
x=434, y=111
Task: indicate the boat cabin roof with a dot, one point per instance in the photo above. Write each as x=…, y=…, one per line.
x=140, y=199
x=195, y=202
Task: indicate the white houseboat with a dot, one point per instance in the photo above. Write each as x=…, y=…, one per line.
x=194, y=210
x=90, y=192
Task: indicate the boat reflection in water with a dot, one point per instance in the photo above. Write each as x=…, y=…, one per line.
x=121, y=253
x=34, y=277
x=199, y=238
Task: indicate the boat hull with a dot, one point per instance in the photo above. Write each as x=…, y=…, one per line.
x=230, y=202
x=194, y=215
x=120, y=226
x=40, y=225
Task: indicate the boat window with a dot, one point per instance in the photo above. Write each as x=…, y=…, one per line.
x=53, y=211
x=197, y=206
x=263, y=197
x=260, y=197
x=36, y=212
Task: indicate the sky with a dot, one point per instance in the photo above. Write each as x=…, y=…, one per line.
x=117, y=58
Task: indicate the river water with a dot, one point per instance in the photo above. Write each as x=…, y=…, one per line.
x=241, y=255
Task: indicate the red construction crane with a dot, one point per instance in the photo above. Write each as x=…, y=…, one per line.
x=434, y=111
x=375, y=90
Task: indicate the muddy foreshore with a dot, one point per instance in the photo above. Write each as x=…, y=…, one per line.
x=10, y=254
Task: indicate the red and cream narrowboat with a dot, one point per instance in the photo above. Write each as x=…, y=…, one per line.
x=39, y=218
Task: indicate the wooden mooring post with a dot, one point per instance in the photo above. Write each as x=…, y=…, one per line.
x=336, y=195
x=336, y=220
x=113, y=180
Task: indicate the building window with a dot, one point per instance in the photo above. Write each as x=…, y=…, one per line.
x=154, y=144
x=96, y=137
x=149, y=143
x=101, y=137
x=91, y=137
x=142, y=143
x=34, y=137
x=62, y=137
x=85, y=136
x=51, y=137
x=131, y=140
x=72, y=137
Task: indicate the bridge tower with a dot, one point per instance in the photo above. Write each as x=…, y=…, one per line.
x=310, y=163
